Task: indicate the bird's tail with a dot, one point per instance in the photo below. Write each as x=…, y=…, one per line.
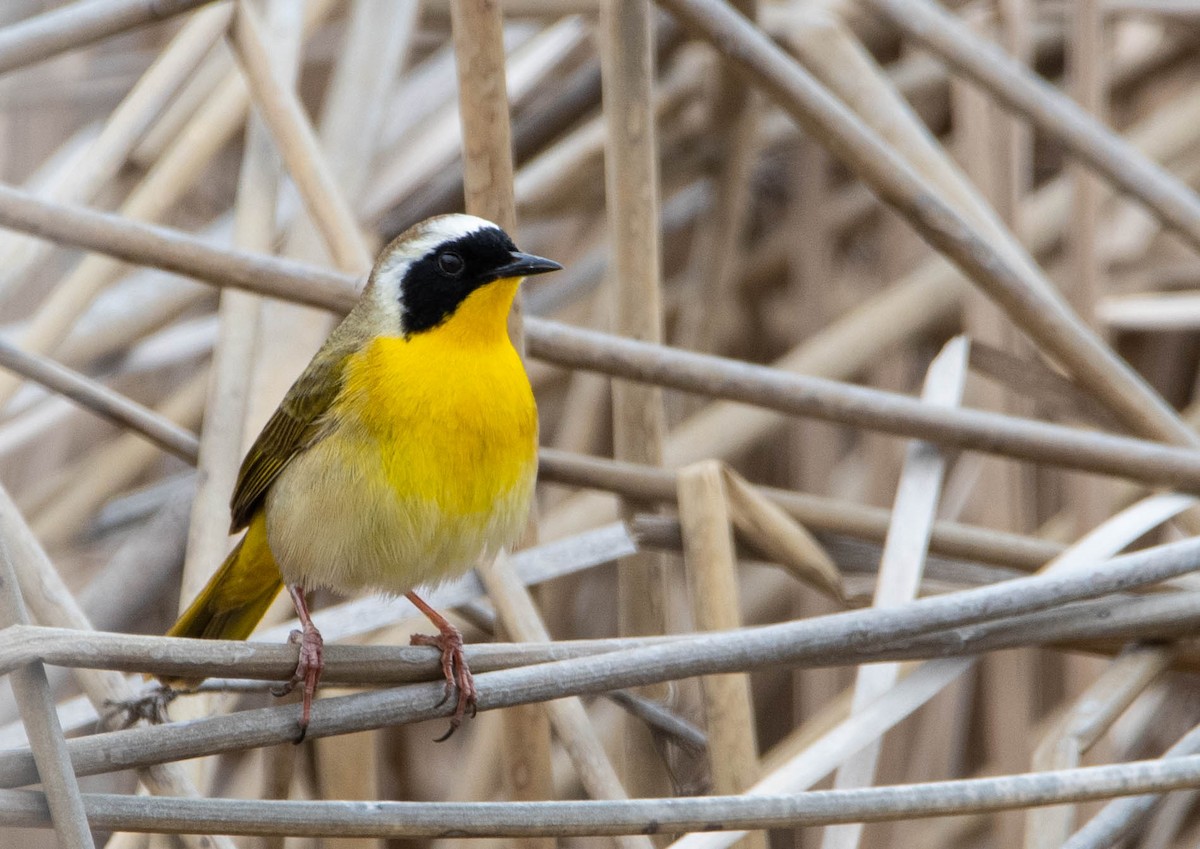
x=237, y=596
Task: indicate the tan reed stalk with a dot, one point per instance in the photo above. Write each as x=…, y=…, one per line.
x=632, y=203
x=488, y=192
x=708, y=557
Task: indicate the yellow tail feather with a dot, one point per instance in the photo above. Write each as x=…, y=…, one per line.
x=238, y=595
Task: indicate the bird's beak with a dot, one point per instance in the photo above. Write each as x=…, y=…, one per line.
x=525, y=265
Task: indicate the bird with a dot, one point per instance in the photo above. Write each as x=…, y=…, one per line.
x=404, y=453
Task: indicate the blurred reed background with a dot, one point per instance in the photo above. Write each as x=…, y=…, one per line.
x=712, y=183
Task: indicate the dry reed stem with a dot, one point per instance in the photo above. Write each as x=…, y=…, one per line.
x=1036, y=381
x=156, y=192
x=1117, y=819
x=125, y=127
x=180, y=164
x=922, y=299
x=520, y=618
x=369, y=615
x=1090, y=91
x=111, y=468
x=548, y=819
x=769, y=529
x=1055, y=113
x=868, y=722
x=38, y=713
x=734, y=127
x=903, y=562
x=1082, y=725
x=671, y=659
x=51, y=603
x=433, y=149
x=218, y=67
x=1165, y=8
x=380, y=34
x=348, y=133
x=711, y=567
x=42, y=36
x=1100, y=626
x=840, y=61
x=793, y=276
x=380, y=39
x=638, y=415
x=1025, y=296
x=297, y=144
x=483, y=104
x=101, y=400
x=899, y=415
x=234, y=355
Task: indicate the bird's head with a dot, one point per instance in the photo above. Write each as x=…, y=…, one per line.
x=455, y=273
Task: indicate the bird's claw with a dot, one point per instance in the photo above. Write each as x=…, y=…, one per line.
x=308, y=671
x=456, y=672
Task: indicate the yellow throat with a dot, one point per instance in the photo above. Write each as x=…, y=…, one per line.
x=451, y=407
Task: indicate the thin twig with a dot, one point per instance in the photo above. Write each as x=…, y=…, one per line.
x=711, y=565
x=1087, y=719
x=50, y=602
x=101, y=400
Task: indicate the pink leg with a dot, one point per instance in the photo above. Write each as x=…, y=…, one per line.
x=454, y=664
x=310, y=664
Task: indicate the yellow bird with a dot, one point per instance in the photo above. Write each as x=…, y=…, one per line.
x=404, y=453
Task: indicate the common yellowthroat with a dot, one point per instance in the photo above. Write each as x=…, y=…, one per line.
x=404, y=452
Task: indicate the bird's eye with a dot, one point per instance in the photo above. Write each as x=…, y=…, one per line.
x=450, y=263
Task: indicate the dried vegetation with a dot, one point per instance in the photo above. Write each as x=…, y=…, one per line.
x=879, y=330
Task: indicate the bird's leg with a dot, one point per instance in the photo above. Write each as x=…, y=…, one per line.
x=454, y=662
x=310, y=664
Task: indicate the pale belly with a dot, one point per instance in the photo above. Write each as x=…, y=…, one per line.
x=334, y=520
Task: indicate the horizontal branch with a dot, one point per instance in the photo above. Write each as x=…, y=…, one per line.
x=638, y=816
x=707, y=654
x=175, y=251
x=901, y=415
x=950, y=539
x=644, y=483
x=179, y=657
x=109, y=403
x=873, y=409
x=1096, y=625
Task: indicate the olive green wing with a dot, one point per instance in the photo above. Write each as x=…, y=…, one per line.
x=299, y=423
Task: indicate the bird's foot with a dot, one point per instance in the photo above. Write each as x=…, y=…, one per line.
x=308, y=671
x=455, y=669
x=150, y=706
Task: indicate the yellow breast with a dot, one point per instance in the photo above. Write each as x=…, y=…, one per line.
x=455, y=426
x=430, y=463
